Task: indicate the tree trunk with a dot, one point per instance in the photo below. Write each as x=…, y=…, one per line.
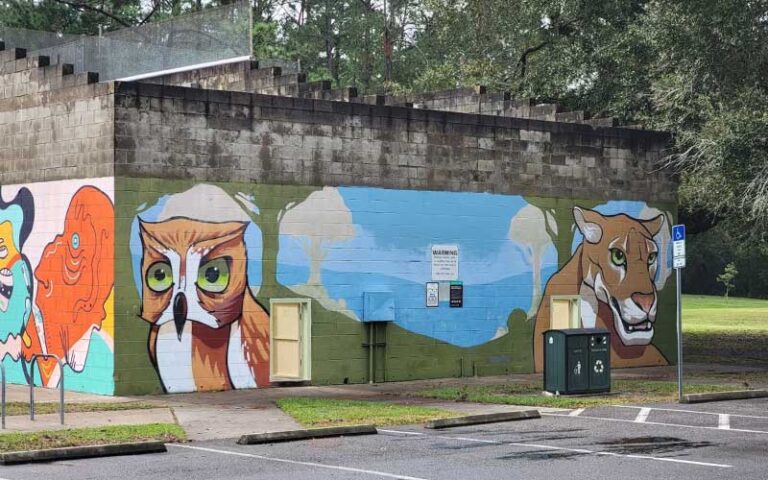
x=316, y=257
x=328, y=37
x=388, y=51
x=270, y=234
x=536, y=296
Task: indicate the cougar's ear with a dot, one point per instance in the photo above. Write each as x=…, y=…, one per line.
x=586, y=221
x=654, y=225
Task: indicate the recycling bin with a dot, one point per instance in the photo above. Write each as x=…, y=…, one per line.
x=577, y=360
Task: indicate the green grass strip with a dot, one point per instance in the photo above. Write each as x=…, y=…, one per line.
x=22, y=408
x=76, y=437
x=323, y=412
x=529, y=394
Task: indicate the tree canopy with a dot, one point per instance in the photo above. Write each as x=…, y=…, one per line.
x=694, y=68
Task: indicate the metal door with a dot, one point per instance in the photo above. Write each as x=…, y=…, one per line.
x=565, y=312
x=289, y=355
x=599, y=363
x=578, y=366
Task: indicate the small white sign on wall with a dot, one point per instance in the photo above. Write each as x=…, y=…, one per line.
x=445, y=262
x=433, y=294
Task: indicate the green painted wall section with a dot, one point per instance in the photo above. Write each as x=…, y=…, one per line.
x=339, y=354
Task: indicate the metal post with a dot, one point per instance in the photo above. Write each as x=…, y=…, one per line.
x=370, y=353
x=679, y=337
x=32, y=385
x=61, y=393
x=2, y=372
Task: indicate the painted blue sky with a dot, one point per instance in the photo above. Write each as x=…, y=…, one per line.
x=391, y=251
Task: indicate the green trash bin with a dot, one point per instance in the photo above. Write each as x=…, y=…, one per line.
x=577, y=360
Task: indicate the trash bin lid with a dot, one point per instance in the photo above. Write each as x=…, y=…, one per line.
x=580, y=331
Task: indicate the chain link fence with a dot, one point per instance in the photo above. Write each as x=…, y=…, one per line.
x=214, y=35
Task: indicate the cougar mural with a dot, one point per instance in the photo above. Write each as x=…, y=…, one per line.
x=612, y=271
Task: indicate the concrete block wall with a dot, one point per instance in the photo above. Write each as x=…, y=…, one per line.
x=234, y=136
x=54, y=124
x=240, y=165
x=440, y=177
x=56, y=222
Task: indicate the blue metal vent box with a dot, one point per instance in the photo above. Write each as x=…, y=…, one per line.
x=378, y=307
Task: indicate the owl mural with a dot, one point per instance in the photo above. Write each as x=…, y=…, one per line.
x=208, y=332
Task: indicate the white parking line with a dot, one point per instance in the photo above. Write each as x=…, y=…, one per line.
x=691, y=411
x=724, y=421
x=564, y=449
x=296, y=462
x=642, y=415
x=655, y=423
x=576, y=412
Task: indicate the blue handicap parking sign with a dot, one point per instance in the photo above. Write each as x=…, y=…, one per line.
x=678, y=233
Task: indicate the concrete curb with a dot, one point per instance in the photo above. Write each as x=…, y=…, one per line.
x=716, y=397
x=89, y=451
x=480, y=419
x=293, y=435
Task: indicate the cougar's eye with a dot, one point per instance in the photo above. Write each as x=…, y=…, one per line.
x=617, y=257
x=213, y=275
x=652, y=258
x=159, y=276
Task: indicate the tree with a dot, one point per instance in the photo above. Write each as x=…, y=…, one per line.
x=728, y=277
x=320, y=219
x=530, y=227
x=266, y=205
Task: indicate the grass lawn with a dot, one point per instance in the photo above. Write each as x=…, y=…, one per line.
x=628, y=392
x=324, y=412
x=708, y=314
x=720, y=331
x=22, y=408
x=166, y=432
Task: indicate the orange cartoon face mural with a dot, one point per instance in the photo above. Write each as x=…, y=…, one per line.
x=75, y=277
x=69, y=297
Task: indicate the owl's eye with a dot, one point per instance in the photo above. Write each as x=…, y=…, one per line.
x=159, y=276
x=213, y=276
x=652, y=258
x=75, y=241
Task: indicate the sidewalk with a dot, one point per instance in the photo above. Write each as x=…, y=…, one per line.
x=51, y=421
x=230, y=414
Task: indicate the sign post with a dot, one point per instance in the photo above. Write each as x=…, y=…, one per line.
x=678, y=261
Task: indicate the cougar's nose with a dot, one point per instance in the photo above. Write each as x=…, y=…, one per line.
x=179, y=312
x=644, y=301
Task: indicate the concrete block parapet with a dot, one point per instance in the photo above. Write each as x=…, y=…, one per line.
x=469, y=147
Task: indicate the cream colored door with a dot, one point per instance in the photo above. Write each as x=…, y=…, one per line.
x=561, y=313
x=565, y=313
x=286, y=338
x=289, y=356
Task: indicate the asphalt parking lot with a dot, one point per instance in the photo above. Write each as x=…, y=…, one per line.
x=709, y=441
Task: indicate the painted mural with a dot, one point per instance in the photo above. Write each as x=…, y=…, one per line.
x=57, y=277
x=207, y=332
x=206, y=258
x=613, y=270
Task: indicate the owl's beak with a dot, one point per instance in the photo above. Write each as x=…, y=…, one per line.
x=179, y=312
